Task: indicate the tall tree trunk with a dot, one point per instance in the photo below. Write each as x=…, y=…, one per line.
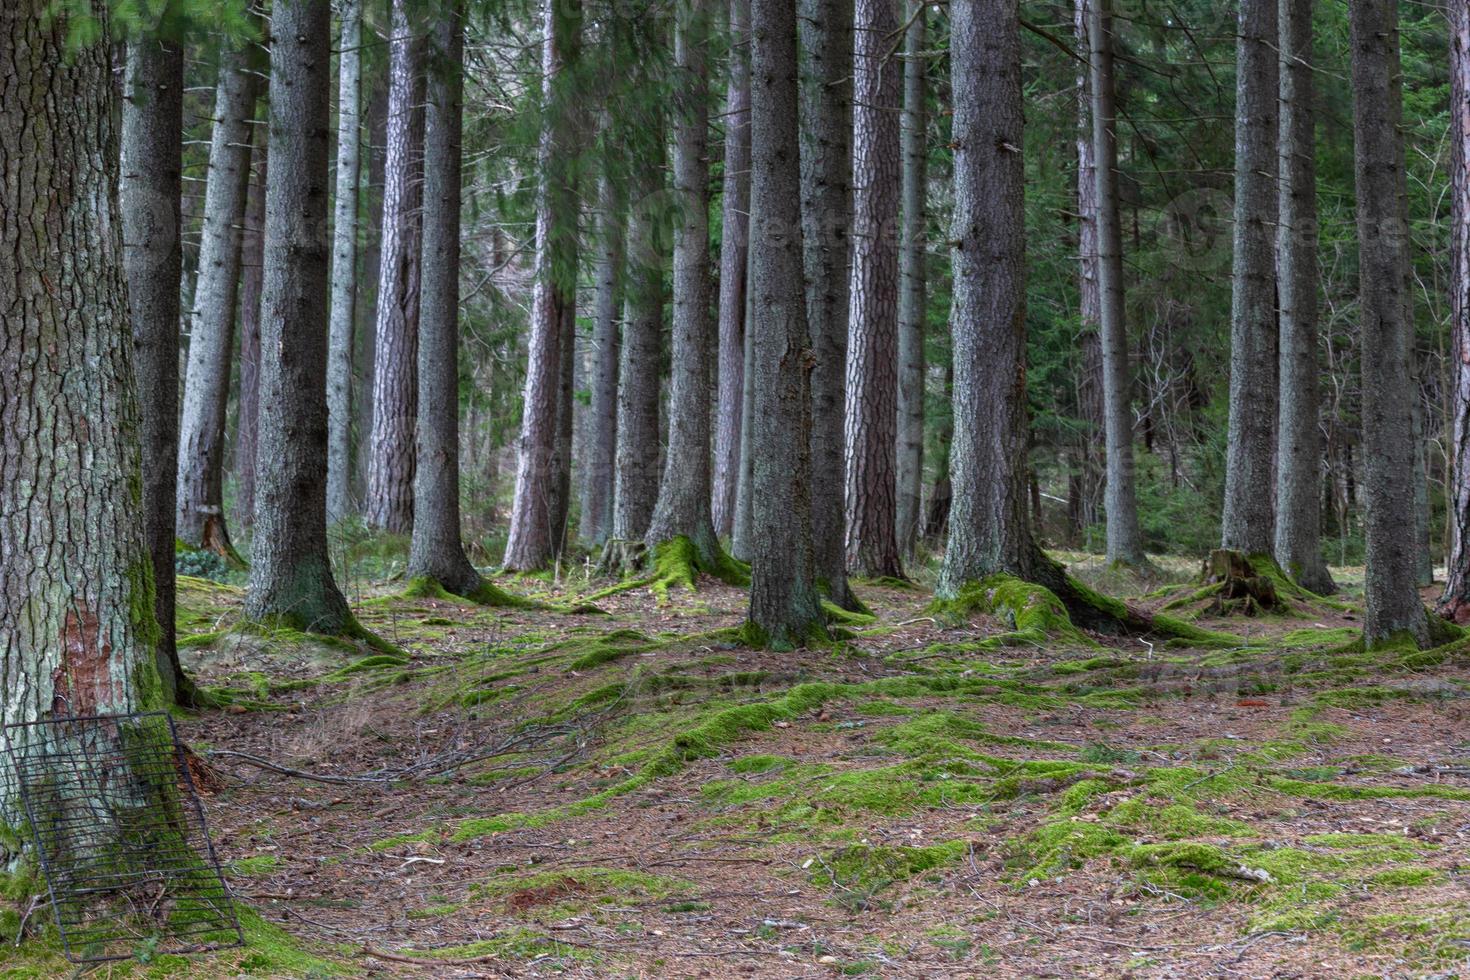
x=1393, y=607
x=290, y=572
x=734, y=250
x=436, y=551
x=1248, y=524
x=683, y=509
x=201, y=518
x=534, y=538
x=1423, y=555
x=826, y=215
x=77, y=626
x=395, y=357
x=247, y=405
x=741, y=536
x=1299, y=459
x=785, y=608
x=1124, y=538
x=1091, y=464
x=602, y=428
x=152, y=161
x=561, y=480
x=1455, y=603
x=912, y=279
x=344, y=264
x=871, y=411
x=941, y=494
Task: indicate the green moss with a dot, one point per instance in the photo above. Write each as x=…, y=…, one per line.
x=485, y=594
x=870, y=867
x=259, y=864
x=1033, y=612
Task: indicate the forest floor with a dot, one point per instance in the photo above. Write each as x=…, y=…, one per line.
x=634, y=794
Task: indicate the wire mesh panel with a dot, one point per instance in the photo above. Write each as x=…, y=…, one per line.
x=120, y=837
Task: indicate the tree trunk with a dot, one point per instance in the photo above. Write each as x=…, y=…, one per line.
x=1299, y=460
x=1248, y=524
x=201, y=518
x=534, y=540
x=826, y=214
x=1124, y=538
x=1393, y=607
x=734, y=249
x=683, y=509
x=602, y=429
x=871, y=411
x=344, y=265
x=77, y=626
x=395, y=357
x=561, y=481
x=913, y=294
x=290, y=573
x=740, y=538
x=785, y=608
x=1091, y=463
x=152, y=161
x=941, y=494
x=247, y=405
x=1455, y=603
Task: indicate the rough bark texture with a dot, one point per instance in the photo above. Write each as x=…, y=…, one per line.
x=77, y=627
x=785, y=608
x=1299, y=460
x=740, y=537
x=290, y=573
x=1124, y=538
x=602, y=418
x=389, y=502
x=566, y=407
x=344, y=264
x=826, y=217
x=1249, y=477
x=912, y=287
x=871, y=410
x=1455, y=603
x=152, y=161
x=436, y=551
x=534, y=538
x=734, y=251
x=201, y=519
x=247, y=404
x=1089, y=485
x=683, y=508
x=1393, y=607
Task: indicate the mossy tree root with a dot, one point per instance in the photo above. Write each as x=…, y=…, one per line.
x=485, y=593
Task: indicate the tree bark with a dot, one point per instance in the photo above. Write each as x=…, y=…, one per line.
x=395, y=356
x=826, y=28
x=602, y=429
x=152, y=162
x=247, y=405
x=683, y=508
x=201, y=518
x=1248, y=524
x=344, y=264
x=561, y=480
x=871, y=410
x=1393, y=607
x=1091, y=463
x=534, y=539
x=785, y=608
x=1455, y=603
x=734, y=249
x=1124, y=538
x=1299, y=460
x=290, y=572
x=913, y=285
x=77, y=625
x=740, y=538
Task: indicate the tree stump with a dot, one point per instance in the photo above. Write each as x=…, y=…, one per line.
x=1241, y=590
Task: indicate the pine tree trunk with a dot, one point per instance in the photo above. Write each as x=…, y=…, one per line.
x=247, y=405
x=1393, y=607
x=1299, y=459
x=1091, y=464
x=290, y=573
x=561, y=481
x=395, y=358
x=1455, y=603
x=785, y=608
x=77, y=626
x=683, y=508
x=826, y=216
x=201, y=518
x=344, y=264
x=1124, y=538
x=734, y=250
x=534, y=538
x=152, y=161
x=602, y=427
x=740, y=537
x=871, y=410
x=913, y=294
x=1248, y=524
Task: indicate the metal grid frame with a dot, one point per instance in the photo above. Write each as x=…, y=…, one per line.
x=120, y=837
